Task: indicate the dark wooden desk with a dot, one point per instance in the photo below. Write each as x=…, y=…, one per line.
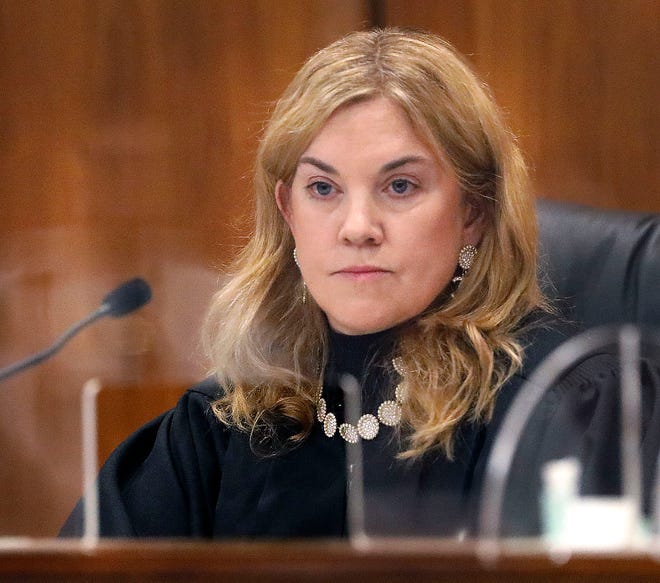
x=320, y=562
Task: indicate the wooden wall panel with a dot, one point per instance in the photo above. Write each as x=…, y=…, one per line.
x=127, y=131
x=579, y=79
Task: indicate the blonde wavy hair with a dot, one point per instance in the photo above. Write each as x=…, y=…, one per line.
x=268, y=349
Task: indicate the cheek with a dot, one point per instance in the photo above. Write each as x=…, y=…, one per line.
x=302, y=217
x=310, y=223
x=432, y=272
x=313, y=244
x=433, y=250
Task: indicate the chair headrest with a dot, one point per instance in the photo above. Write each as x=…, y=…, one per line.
x=602, y=266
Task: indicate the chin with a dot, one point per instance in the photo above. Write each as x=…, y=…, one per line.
x=358, y=331
x=358, y=328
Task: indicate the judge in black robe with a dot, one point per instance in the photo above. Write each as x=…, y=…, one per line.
x=186, y=475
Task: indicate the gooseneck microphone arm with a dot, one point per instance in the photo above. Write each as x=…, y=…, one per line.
x=53, y=348
x=126, y=298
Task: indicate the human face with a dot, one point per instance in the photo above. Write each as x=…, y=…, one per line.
x=377, y=217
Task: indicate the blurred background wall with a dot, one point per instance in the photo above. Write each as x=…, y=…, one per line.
x=127, y=131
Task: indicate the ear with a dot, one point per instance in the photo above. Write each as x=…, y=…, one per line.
x=474, y=222
x=283, y=200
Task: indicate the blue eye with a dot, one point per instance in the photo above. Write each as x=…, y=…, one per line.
x=400, y=185
x=321, y=188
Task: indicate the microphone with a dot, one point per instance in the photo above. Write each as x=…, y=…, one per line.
x=128, y=297
x=123, y=300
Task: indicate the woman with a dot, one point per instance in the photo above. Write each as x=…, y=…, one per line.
x=395, y=241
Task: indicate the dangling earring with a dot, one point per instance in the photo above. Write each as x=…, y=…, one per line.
x=465, y=260
x=466, y=257
x=304, y=286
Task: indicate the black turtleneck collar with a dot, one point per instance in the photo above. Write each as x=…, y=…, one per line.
x=355, y=354
x=367, y=358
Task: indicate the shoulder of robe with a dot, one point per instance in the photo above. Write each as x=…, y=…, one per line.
x=193, y=414
x=589, y=385
x=189, y=424
x=196, y=401
x=207, y=390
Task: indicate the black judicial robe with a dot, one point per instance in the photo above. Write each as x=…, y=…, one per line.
x=186, y=475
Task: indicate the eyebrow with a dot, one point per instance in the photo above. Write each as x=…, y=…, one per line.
x=319, y=164
x=393, y=165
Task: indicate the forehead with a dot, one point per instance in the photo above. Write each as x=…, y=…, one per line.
x=367, y=123
x=376, y=127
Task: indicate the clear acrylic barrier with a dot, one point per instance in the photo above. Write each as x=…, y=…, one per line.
x=374, y=514
x=623, y=514
x=390, y=498
x=107, y=414
x=629, y=522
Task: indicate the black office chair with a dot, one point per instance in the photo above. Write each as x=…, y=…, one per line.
x=600, y=266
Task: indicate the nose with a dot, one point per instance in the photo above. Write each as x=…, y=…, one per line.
x=361, y=222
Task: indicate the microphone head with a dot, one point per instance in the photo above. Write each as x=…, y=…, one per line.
x=127, y=297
